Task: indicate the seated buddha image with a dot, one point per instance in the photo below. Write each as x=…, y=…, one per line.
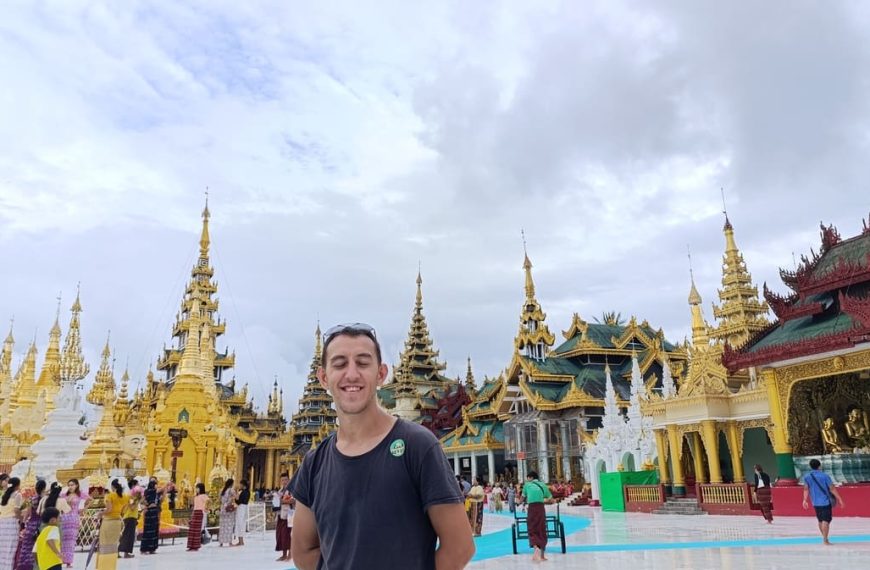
x=831, y=437
x=856, y=427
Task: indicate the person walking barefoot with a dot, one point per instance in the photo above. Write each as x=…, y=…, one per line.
x=820, y=489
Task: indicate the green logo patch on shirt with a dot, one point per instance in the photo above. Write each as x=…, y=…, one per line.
x=397, y=448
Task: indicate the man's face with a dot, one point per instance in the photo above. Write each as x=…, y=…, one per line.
x=352, y=373
x=284, y=481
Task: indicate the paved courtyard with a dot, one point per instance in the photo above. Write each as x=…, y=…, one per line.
x=604, y=540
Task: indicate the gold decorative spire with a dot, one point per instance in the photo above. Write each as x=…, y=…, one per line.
x=24, y=385
x=318, y=344
x=204, y=240
x=419, y=356
x=72, y=363
x=104, y=381
x=530, y=283
x=121, y=412
x=534, y=337
x=700, y=328
x=741, y=313
x=470, y=385
x=6, y=356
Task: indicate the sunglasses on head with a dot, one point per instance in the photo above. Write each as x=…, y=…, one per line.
x=349, y=328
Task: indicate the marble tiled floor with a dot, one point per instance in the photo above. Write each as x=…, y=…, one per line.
x=611, y=541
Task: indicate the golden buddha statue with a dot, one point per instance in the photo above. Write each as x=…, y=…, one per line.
x=831, y=437
x=856, y=427
x=184, y=490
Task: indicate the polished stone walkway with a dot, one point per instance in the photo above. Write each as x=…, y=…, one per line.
x=604, y=540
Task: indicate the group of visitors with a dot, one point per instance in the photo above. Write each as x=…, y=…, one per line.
x=22, y=546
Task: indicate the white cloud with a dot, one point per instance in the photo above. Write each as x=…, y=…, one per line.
x=344, y=143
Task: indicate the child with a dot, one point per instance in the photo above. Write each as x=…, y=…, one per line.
x=48, y=542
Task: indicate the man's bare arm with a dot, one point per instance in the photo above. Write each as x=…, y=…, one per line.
x=304, y=543
x=456, y=545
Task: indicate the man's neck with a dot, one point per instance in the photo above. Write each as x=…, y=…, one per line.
x=360, y=428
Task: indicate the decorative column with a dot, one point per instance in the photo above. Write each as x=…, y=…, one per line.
x=679, y=488
x=662, y=449
x=456, y=464
x=200, y=467
x=700, y=475
x=473, y=465
x=270, y=469
x=566, y=458
x=711, y=442
x=735, y=447
x=784, y=457
x=543, y=463
x=490, y=458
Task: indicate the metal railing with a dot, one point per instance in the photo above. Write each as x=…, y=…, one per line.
x=724, y=493
x=644, y=493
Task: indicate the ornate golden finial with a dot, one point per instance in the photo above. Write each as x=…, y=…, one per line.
x=72, y=365
x=318, y=343
x=419, y=303
x=204, y=240
x=527, y=266
x=470, y=385
x=103, y=382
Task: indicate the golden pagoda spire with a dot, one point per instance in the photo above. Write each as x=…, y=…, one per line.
x=534, y=337
x=741, y=313
x=470, y=386
x=419, y=355
x=700, y=328
x=24, y=391
x=204, y=240
x=121, y=411
x=190, y=366
x=49, y=376
x=6, y=357
x=72, y=363
x=527, y=266
x=104, y=380
x=318, y=344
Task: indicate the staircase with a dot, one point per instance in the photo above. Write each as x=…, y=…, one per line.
x=680, y=507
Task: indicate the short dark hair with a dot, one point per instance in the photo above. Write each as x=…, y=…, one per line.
x=49, y=513
x=815, y=463
x=532, y=474
x=353, y=333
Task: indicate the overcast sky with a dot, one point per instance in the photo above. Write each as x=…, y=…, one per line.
x=343, y=143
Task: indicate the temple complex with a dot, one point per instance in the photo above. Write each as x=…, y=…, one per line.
x=316, y=417
x=540, y=412
x=419, y=392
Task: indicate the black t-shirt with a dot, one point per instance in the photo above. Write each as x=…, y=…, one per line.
x=244, y=497
x=371, y=509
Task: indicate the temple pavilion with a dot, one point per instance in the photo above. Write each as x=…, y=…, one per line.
x=418, y=391
x=716, y=425
x=550, y=399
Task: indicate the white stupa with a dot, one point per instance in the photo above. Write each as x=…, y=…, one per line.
x=63, y=437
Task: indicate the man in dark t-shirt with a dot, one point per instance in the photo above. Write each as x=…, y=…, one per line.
x=379, y=493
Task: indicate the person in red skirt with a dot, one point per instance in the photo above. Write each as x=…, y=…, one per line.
x=284, y=522
x=198, y=517
x=537, y=494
